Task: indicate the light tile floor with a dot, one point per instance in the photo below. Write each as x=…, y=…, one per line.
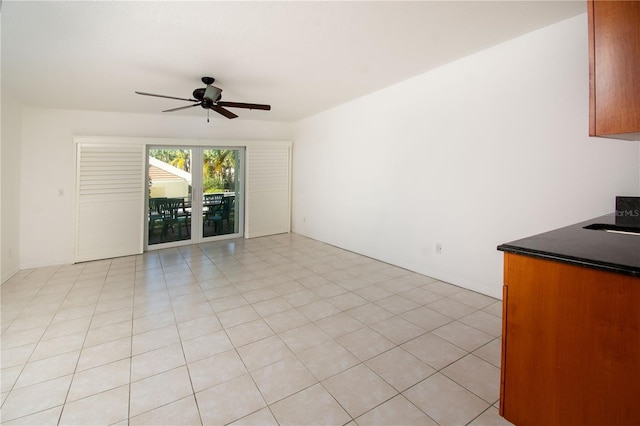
x=279, y=330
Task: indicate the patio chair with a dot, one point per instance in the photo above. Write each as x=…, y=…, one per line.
x=156, y=218
x=223, y=214
x=212, y=206
x=175, y=215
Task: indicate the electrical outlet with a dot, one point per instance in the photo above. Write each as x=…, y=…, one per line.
x=439, y=248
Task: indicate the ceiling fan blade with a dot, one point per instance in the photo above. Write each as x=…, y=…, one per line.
x=225, y=112
x=179, y=108
x=168, y=97
x=243, y=105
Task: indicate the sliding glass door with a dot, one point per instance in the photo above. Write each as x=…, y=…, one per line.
x=195, y=194
x=170, y=189
x=220, y=192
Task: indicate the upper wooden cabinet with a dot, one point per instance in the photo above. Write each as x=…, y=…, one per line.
x=614, y=69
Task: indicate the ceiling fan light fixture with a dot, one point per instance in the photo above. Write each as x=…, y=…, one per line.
x=212, y=93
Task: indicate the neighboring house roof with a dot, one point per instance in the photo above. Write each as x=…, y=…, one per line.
x=159, y=171
x=157, y=174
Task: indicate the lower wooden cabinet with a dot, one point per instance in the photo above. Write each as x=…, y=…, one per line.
x=570, y=345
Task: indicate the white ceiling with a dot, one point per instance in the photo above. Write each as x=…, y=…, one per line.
x=300, y=57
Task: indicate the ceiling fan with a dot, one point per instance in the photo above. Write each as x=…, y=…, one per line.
x=209, y=98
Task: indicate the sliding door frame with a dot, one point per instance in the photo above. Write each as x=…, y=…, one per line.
x=196, y=230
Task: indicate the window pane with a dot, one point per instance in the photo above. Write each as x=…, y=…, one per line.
x=169, y=195
x=219, y=187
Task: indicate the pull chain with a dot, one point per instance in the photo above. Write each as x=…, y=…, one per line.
x=207, y=115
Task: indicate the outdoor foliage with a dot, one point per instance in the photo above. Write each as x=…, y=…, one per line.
x=218, y=168
x=178, y=158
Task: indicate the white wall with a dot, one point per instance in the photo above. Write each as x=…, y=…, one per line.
x=482, y=151
x=10, y=170
x=9, y=187
x=46, y=219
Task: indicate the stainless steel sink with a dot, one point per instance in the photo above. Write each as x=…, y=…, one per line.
x=616, y=229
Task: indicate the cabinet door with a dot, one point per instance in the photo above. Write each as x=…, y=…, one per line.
x=571, y=345
x=614, y=69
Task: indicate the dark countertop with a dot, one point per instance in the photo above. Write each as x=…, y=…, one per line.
x=611, y=252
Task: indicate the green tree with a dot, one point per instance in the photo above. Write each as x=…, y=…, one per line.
x=218, y=169
x=182, y=160
x=179, y=158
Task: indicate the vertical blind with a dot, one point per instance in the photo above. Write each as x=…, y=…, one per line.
x=268, y=191
x=110, y=197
